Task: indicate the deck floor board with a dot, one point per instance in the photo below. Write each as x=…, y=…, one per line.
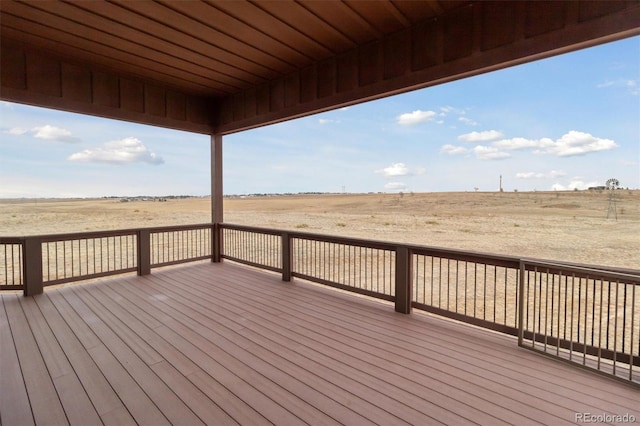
x=98, y=389
x=43, y=396
x=227, y=344
x=14, y=404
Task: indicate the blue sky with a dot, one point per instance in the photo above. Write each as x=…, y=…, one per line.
x=571, y=121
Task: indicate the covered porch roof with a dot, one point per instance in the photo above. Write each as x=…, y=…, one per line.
x=218, y=67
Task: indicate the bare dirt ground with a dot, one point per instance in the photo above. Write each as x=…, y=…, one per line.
x=568, y=226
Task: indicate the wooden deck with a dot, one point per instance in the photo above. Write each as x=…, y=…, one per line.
x=225, y=344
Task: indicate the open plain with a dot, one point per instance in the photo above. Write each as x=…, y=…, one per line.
x=565, y=226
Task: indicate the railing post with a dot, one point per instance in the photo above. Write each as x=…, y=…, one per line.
x=144, y=252
x=216, y=243
x=403, y=280
x=286, y=256
x=32, y=266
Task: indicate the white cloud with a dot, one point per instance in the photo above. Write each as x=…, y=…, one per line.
x=606, y=84
x=556, y=173
x=52, y=133
x=447, y=109
x=396, y=169
x=578, y=143
x=453, y=150
x=400, y=169
x=621, y=83
x=395, y=185
x=534, y=175
x=522, y=143
x=468, y=121
x=326, y=121
x=574, y=184
x=529, y=175
x=489, y=153
x=415, y=117
x=487, y=135
x=16, y=131
x=572, y=143
x=124, y=151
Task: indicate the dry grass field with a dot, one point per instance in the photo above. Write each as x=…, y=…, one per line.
x=569, y=226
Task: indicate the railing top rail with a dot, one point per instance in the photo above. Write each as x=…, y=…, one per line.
x=382, y=245
x=255, y=229
x=11, y=240
x=465, y=255
x=84, y=235
x=628, y=276
x=169, y=228
x=104, y=233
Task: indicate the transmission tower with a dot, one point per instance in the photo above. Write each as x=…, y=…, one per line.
x=612, y=186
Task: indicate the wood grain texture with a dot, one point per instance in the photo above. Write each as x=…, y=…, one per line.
x=226, y=344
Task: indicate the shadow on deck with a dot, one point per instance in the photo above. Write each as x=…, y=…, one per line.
x=227, y=344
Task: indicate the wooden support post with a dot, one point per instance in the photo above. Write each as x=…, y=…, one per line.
x=32, y=266
x=287, y=257
x=216, y=241
x=144, y=252
x=217, y=211
x=403, y=280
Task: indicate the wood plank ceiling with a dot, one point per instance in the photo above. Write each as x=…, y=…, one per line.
x=222, y=66
x=207, y=48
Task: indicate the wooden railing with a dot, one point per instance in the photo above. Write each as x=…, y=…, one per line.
x=74, y=257
x=361, y=266
x=11, y=260
x=172, y=245
x=478, y=288
x=581, y=315
x=31, y=263
x=252, y=246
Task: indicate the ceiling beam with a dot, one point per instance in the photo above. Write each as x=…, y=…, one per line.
x=471, y=40
x=33, y=77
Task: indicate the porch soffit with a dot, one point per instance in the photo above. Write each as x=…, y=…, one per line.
x=225, y=66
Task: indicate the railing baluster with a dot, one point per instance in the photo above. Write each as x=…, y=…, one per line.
x=586, y=326
x=633, y=318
